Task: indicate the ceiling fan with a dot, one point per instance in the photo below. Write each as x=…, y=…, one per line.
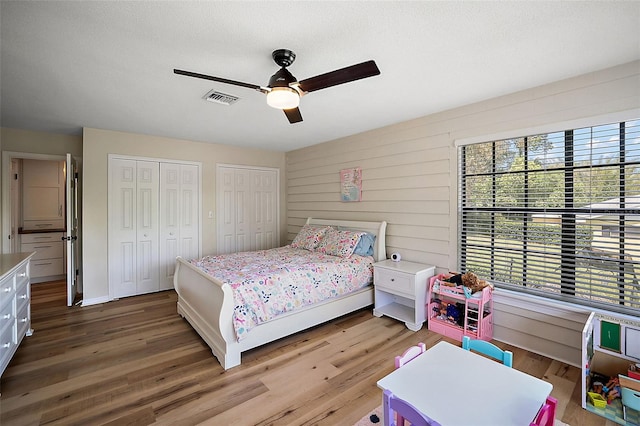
x=284, y=90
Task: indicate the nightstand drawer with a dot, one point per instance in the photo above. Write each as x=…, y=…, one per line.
x=394, y=281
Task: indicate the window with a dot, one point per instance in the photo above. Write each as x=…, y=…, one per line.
x=556, y=214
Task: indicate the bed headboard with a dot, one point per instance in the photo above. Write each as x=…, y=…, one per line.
x=378, y=229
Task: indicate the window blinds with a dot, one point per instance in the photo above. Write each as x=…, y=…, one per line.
x=556, y=214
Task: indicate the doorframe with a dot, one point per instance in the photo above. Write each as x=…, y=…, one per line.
x=7, y=156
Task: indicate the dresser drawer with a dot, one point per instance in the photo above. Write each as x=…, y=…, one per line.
x=7, y=315
x=22, y=296
x=394, y=281
x=46, y=237
x=7, y=346
x=47, y=267
x=21, y=275
x=44, y=250
x=7, y=288
x=23, y=320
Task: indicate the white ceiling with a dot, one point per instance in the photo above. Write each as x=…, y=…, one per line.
x=109, y=65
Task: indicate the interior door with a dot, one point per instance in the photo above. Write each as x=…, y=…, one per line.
x=72, y=228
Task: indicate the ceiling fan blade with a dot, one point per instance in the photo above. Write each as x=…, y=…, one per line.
x=293, y=115
x=220, y=80
x=341, y=76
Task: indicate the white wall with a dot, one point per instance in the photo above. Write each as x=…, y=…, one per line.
x=98, y=144
x=409, y=173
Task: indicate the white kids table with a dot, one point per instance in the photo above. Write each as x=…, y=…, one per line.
x=458, y=387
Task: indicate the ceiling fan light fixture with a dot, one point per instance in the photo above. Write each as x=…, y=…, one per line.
x=283, y=98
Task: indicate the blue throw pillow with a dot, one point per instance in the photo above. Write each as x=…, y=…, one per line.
x=365, y=245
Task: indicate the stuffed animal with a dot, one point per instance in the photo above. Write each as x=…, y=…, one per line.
x=471, y=281
x=453, y=280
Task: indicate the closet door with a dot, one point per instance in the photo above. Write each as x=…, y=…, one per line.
x=226, y=185
x=179, y=222
x=247, y=201
x=265, y=197
x=241, y=212
x=234, y=201
x=122, y=227
x=147, y=227
x=133, y=227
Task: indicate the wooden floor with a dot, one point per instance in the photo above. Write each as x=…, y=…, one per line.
x=136, y=362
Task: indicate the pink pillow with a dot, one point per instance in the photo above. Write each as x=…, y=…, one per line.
x=309, y=237
x=339, y=243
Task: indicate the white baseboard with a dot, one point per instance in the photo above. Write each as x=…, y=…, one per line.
x=95, y=301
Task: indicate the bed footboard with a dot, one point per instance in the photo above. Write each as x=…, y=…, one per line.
x=207, y=304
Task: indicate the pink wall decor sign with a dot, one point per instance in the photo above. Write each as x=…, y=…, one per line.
x=351, y=184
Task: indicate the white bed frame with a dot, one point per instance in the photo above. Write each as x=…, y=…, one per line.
x=207, y=304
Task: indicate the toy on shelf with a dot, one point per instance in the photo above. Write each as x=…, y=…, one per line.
x=634, y=371
x=609, y=391
x=460, y=305
x=468, y=280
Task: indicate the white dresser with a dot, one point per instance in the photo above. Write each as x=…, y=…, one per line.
x=15, y=304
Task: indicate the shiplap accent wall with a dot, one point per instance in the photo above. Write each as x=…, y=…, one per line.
x=409, y=179
x=404, y=181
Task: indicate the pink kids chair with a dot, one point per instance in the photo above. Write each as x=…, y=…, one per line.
x=547, y=414
x=410, y=354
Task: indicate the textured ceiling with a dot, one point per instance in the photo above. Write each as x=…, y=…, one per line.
x=109, y=65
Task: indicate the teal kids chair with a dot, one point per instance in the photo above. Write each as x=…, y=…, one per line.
x=630, y=399
x=489, y=349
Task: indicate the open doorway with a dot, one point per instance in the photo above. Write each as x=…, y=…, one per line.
x=40, y=214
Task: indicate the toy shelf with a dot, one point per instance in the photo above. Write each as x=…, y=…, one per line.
x=453, y=314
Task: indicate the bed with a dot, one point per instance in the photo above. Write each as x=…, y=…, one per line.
x=207, y=302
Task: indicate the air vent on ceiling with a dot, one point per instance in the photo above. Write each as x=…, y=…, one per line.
x=220, y=98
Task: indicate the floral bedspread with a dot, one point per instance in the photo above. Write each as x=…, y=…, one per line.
x=268, y=283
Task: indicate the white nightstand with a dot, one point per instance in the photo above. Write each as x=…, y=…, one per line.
x=401, y=290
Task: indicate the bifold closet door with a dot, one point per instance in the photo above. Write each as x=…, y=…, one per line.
x=234, y=191
x=179, y=223
x=264, y=193
x=247, y=209
x=133, y=227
